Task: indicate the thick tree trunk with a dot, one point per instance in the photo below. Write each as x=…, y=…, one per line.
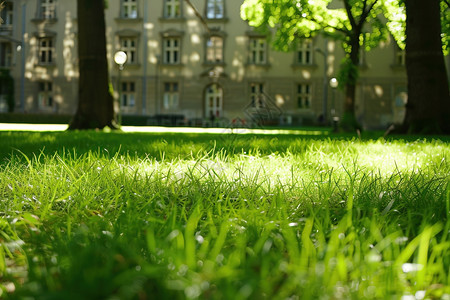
x=428, y=107
x=349, y=122
x=95, y=103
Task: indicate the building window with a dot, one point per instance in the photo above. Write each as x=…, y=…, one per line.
x=45, y=96
x=128, y=45
x=46, y=50
x=128, y=93
x=171, y=50
x=257, y=99
x=48, y=9
x=7, y=16
x=171, y=95
x=304, y=96
x=129, y=9
x=258, y=51
x=5, y=55
x=213, y=101
x=304, y=52
x=215, y=9
x=214, y=49
x=172, y=8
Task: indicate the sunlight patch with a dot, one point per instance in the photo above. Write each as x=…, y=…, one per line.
x=32, y=127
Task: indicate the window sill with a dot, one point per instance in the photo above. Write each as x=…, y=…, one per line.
x=41, y=20
x=214, y=64
x=217, y=20
x=172, y=19
x=6, y=28
x=127, y=66
x=255, y=65
x=46, y=65
x=303, y=66
x=214, y=71
x=128, y=20
x=171, y=65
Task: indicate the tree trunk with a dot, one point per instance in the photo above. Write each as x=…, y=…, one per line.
x=349, y=122
x=428, y=107
x=95, y=103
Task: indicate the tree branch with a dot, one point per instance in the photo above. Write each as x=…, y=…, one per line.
x=351, y=18
x=363, y=9
x=198, y=15
x=365, y=12
x=344, y=30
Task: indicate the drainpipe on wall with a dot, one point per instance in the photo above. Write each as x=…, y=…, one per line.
x=325, y=82
x=144, y=78
x=22, y=67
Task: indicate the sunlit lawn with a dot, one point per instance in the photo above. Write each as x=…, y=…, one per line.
x=95, y=215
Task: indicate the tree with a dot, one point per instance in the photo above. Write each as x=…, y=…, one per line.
x=428, y=107
x=298, y=19
x=95, y=103
x=2, y=6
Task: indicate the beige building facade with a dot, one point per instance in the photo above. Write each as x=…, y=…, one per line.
x=181, y=70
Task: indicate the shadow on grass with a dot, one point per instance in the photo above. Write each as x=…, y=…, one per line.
x=169, y=145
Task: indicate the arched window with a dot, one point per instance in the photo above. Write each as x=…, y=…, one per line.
x=213, y=101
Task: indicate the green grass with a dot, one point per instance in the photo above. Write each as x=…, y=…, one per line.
x=94, y=215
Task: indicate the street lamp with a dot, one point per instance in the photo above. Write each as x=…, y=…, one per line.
x=120, y=58
x=334, y=84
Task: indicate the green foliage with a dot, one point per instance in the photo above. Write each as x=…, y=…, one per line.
x=348, y=73
x=277, y=217
x=396, y=16
x=396, y=22
x=445, y=26
x=295, y=20
x=357, y=24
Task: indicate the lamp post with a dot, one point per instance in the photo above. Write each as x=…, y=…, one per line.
x=334, y=84
x=120, y=58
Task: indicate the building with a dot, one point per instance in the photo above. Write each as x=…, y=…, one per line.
x=181, y=70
